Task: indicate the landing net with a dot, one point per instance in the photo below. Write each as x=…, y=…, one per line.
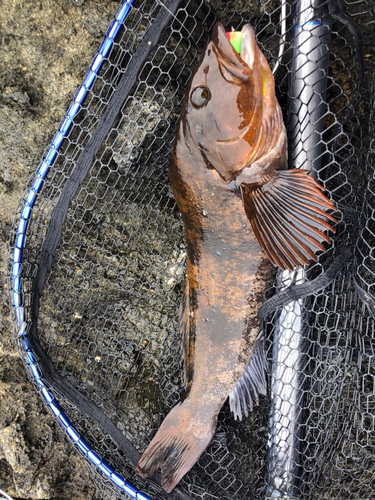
x=97, y=264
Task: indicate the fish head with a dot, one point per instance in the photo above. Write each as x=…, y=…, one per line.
x=230, y=112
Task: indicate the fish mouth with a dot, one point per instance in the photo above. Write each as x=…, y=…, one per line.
x=237, y=67
x=248, y=52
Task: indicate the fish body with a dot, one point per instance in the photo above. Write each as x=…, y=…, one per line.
x=241, y=211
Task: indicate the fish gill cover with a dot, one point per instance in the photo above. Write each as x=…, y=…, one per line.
x=108, y=312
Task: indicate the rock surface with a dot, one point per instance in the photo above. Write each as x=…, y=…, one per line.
x=46, y=47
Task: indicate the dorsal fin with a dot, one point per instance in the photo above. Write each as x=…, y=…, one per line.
x=187, y=322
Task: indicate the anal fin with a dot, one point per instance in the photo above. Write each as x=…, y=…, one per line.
x=252, y=383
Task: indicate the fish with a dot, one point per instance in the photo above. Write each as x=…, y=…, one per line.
x=243, y=212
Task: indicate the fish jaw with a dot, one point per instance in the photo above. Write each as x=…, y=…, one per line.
x=249, y=46
x=251, y=54
x=248, y=56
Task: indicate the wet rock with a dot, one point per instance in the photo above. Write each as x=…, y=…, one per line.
x=46, y=51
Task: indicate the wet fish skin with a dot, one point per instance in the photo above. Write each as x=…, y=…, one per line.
x=219, y=335
x=230, y=145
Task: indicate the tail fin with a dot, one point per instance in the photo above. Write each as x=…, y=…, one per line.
x=177, y=445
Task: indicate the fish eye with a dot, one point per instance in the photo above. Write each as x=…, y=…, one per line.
x=200, y=96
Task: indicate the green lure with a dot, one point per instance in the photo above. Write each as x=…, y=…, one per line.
x=235, y=38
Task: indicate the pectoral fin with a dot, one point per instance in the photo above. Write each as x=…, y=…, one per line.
x=288, y=215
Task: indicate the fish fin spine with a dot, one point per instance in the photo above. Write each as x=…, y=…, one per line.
x=187, y=332
x=252, y=383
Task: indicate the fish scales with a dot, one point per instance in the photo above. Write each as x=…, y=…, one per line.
x=242, y=212
x=216, y=270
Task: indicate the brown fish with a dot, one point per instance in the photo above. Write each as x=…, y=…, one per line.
x=228, y=168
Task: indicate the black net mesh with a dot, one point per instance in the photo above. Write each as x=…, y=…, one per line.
x=108, y=314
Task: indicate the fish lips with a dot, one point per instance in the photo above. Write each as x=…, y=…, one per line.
x=248, y=57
